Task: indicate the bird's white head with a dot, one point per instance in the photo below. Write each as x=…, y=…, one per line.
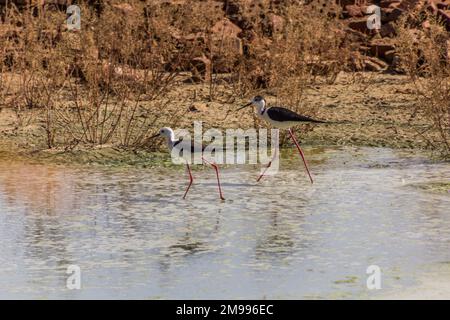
x=257, y=101
x=167, y=133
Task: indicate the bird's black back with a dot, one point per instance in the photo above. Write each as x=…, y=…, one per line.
x=194, y=147
x=281, y=114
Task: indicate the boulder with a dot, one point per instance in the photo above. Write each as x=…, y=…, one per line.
x=389, y=4
x=387, y=30
x=374, y=64
x=444, y=15
x=444, y=5
x=124, y=8
x=353, y=10
x=225, y=36
x=360, y=25
x=379, y=48
x=226, y=28
x=389, y=56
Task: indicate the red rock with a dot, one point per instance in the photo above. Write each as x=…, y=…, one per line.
x=387, y=30
x=393, y=15
x=356, y=36
x=354, y=11
x=226, y=37
x=374, y=64
x=359, y=25
x=440, y=4
x=389, y=56
x=124, y=8
x=445, y=17
x=443, y=6
x=432, y=7
x=389, y=3
x=21, y=3
x=226, y=28
x=410, y=4
x=344, y=3
x=380, y=48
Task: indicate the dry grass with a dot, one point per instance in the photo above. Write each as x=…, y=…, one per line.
x=94, y=86
x=113, y=81
x=309, y=49
x=424, y=57
x=109, y=82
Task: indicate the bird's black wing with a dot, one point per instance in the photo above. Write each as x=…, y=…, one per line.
x=282, y=114
x=177, y=142
x=194, y=147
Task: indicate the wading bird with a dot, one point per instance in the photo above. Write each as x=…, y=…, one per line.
x=181, y=145
x=281, y=118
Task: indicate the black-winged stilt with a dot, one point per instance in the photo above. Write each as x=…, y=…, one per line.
x=181, y=145
x=281, y=118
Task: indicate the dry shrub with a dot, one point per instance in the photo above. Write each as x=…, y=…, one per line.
x=109, y=82
x=310, y=50
x=8, y=81
x=40, y=72
x=311, y=44
x=122, y=75
x=105, y=83
x=425, y=58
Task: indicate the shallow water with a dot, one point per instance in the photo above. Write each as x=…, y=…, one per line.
x=134, y=237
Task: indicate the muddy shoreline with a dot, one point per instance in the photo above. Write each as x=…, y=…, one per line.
x=382, y=116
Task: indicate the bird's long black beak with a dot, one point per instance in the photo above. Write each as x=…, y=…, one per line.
x=155, y=136
x=247, y=105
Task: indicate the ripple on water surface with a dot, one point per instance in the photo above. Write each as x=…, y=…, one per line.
x=134, y=237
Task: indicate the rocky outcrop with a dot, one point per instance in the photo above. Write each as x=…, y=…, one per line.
x=244, y=24
x=376, y=45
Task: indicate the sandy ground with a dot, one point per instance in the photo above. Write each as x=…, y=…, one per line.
x=363, y=109
x=371, y=109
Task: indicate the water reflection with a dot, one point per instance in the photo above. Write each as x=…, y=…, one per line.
x=277, y=242
x=134, y=237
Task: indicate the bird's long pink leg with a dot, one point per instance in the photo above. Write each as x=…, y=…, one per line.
x=190, y=180
x=217, y=175
x=268, y=165
x=302, y=155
